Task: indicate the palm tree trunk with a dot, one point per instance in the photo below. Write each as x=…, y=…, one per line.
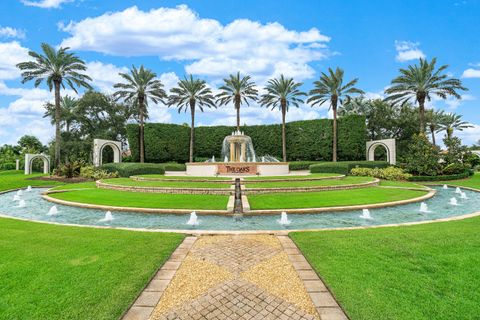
x=142, y=130
x=334, y=109
x=192, y=130
x=284, y=135
x=433, y=136
x=237, y=107
x=449, y=133
x=421, y=109
x=58, y=115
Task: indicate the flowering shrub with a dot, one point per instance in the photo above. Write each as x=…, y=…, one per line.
x=91, y=172
x=390, y=173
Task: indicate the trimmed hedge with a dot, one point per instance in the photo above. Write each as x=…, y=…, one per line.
x=128, y=169
x=309, y=140
x=344, y=167
x=8, y=166
x=458, y=176
x=301, y=165
x=175, y=167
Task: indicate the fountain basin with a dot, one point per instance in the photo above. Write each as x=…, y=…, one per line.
x=211, y=169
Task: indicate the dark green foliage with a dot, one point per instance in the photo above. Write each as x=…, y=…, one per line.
x=422, y=157
x=301, y=165
x=309, y=140
x=175, y=166
x=463, y=175
x=453, y=168
x=132, y=168
x=344, y=167
x=8, y=166
x=69, y=169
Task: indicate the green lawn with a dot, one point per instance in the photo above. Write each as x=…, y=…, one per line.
x=56, y=272
x=312, y=183
x=80, y=185
x=472, y=182
x=333, y=198
x=403, y=184
x=17, y=179
x=170, y=184
x=144, y=200
x=293, y=177
x=161, y=176
x=429, y=271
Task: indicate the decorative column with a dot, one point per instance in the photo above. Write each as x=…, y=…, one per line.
x=243, y=153
x=232, y=151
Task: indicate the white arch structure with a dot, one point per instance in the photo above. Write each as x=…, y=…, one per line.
x=388, y=144
x=100, y=144
x=30, y=157
x=476, y=152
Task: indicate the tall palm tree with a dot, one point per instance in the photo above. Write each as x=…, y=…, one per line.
x=420, y=82
x=67, y=106
x=141, y=86
x=238, y=90
x=281, y=93
x=434, y=119
x=357, y=105
x=189, y=94
x=57, y=68
x=330, y=88
x=451, y=122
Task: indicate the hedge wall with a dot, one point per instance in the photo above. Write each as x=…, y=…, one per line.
x=309, y=140
x=344, y=167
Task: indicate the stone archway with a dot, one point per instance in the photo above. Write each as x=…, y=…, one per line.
x=388, y=144
x=100, y=144
x=29, y=158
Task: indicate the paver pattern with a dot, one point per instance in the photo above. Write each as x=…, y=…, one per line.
x=236, y=277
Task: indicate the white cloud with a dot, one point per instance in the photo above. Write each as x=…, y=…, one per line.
x=104, y=76
x=407, y=50
x=208, y=47
x=11, y=53
x=471, y=73
x=9, y=32
x=45, y=3
x=470, y=135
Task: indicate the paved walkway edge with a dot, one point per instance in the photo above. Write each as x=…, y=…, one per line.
x=143, y=306
x=323, y=300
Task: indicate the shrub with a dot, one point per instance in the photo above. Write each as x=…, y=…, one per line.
x=344, y=167
x=175, y=166
x=390, y=173
x=301, y=165
x=133, y=169
x=453, y=168
x=90, y=172
x=69, y=169
x=423, y=157
x=463, y=175
x=8, y=166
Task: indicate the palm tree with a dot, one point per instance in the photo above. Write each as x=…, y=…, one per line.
x=434, y=119
x=281, y=93
x=141, y=85
x=57, y=68
x=189, y=94
x=67, y=106
x=237, y=90
x=357, y=105
x=420, y=82
x=451, y=122
x=330, y=88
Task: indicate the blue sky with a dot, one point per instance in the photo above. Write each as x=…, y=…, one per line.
x=371, y=40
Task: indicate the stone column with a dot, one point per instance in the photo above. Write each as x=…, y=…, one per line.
x=17, y=164
x=232, y=152
x=243, y=153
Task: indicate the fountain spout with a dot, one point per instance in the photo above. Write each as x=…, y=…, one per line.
x=53, y=211
x=453, y=201
x=193, y=221
x=284, y=219
x=424, y=207
x=366, y=215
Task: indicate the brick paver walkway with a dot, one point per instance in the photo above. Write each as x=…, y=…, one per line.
x=236, y=277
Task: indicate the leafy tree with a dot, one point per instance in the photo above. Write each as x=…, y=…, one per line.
x=456, y=152
x=191, y=93
x=31, y=144
x=357, y=105
x=450, y=122
x=238, y=90
x=330, y=89
x=422, y=157
x=434, y=119
x=141, y=85
x=419, y=82
x=281, y=93
x=67, y=113
x=57, y=68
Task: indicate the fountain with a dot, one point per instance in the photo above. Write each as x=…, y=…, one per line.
x=193, y=221
x=53, y=211
x=366, y=215
x=463, y=195
x=458, y=190
x=21, y=204
x=16, y=198
x=108, y=217
x=445, y=187
x=284, y=219
x=29, y=188
x=453, y=201
x=19, y=193
x=424, y=207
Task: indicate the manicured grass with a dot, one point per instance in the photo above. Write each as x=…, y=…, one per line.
x=404, y=184
x=17, y=179
x=57, y=272
x=313, y=183
x=330, y=198
x=293, y=177
x=144, y=200
x=80, y=185
x=161, y=176
x=422, y=272
x=169, y=184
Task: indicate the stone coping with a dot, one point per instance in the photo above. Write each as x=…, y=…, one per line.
x=246, y=163
x=169, y=190
x=373, y=183
x=242, y=179
x=199, y=179
x=333, y=177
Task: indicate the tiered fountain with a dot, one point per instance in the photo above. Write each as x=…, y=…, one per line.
x=239, y=158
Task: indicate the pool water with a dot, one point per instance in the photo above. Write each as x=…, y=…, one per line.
x=439, y=206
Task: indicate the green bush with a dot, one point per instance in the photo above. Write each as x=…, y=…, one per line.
x=90, y=172
x=390, y=173
x=70, y=169
x=344, y=167
x=463, y=175
x=175, y=166
x=309, y=140
x=8, y=166
x=422, y=158
x=301, y=165
x=453, y=168
x=133, y=169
